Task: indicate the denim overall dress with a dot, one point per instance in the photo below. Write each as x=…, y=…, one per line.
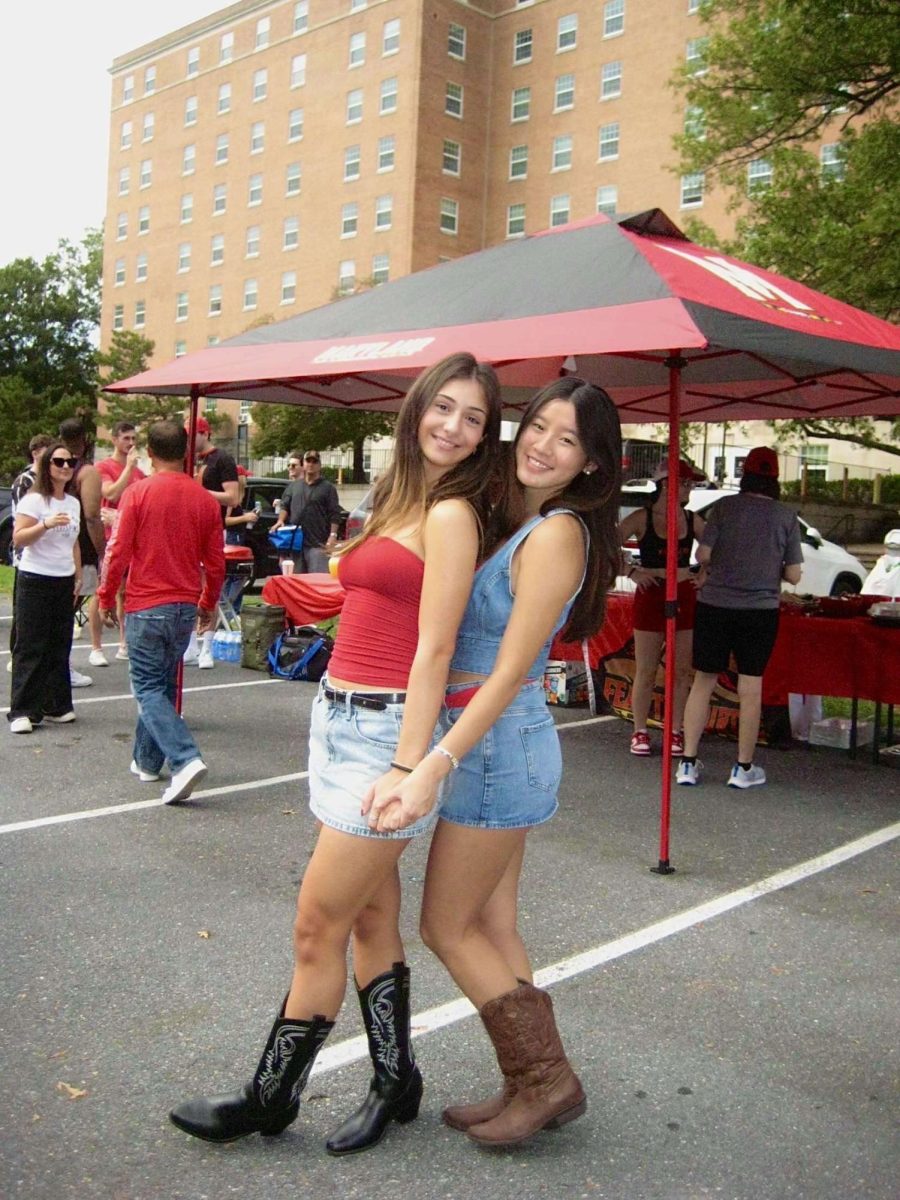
x=510, y=779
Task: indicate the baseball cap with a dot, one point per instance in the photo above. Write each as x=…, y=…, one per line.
x=202, y=426
x=762, y=460
x=685, y=471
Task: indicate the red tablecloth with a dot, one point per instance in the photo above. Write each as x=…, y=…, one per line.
x=307, y=599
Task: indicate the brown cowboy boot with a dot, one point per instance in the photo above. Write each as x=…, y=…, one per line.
x=548, y=1093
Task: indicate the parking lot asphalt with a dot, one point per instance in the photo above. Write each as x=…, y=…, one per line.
x=734, y=1023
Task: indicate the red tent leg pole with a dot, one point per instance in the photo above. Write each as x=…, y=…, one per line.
x=189, y=470
x=675, y=363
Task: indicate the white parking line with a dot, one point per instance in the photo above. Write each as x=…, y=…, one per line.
x=188, y=691
x=432, y=1019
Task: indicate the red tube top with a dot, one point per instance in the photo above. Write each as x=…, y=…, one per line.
x=379, y=627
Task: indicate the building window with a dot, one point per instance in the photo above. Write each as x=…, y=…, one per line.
x=119, y=272
x=351, y=163
x=140, y=268
x=564, y=94
x=692, y=190
x=356, y=5
x=254, y=190
x=118, y=322
x=694, y=121
x=386, y=153
x=559, y=210
x=346, y=277
x=349, y=220
x=390, y=39
x=832, y=161
x=290, y=235
x=567, y=33
x=121, y=227
x=251, y=246
x=292, y=179
x=257, y=137
x=217, y=250
x=144, y=219
x=298, y=70
x=149, y=81
x=561, y=159
x=452, y=157
x=140, y=314
x=125, y=136
x=220, y=199
x=613, y=18
x=609, y=141
x=148, y=127
x=693, y=6
x=263, y=26
x=515, y=220
x=221, y=149
x=759, y=174
x=384, y=209
x=449, y=216
x=128, y=89
x=188, y=159
x=288, y=287
x=453, y=100
x=146, y=176
x=211, y=404
x=607, y=199
x=610, y=80
x=187, y=208
x=124, y=180
x=193, y=60
x=456, y=41
x=695, y=55
x=518, y=162
x=388, y=96
x=184, y=257
x=260, y=84
x=522, y=46
x=381, y=268
x=354, y=106
x=251, y=294
x=226, y=47
x=815, y=459
x=357, y=55
x=521, y=104
x=180, y=349
x=215, y=300
x=224, y=104
x=301, y=16
x=295, y=124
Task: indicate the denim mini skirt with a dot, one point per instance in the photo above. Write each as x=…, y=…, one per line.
x=349, y=748
x=510, y=779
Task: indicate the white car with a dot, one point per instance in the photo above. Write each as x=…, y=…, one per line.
x=828, y=570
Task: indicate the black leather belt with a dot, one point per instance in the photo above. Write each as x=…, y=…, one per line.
x=377, y=700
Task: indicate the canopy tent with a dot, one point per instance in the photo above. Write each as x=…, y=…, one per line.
x=669, y=329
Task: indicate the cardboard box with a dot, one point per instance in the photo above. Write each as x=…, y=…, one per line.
x=565, y=683
x=835, y=731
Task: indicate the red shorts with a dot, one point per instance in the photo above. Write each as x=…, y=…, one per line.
x=650, y=607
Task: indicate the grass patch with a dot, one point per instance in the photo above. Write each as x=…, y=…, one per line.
x=7, y=575
x=840, y=706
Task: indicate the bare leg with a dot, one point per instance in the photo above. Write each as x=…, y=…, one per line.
x=750, y=698
x=647, y=650
x=684, y=642
x=376, y=933
x=95, y=625
x=696, y=711
x=499, y=919
x=344, y=875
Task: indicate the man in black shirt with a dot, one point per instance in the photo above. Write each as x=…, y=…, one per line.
x=217, y=472
x=312, y=503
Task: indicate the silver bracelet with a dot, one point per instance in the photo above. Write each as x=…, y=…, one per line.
x=454, y=761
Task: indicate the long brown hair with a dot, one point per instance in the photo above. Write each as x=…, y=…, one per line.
x=403, y=489
x=594, y=497
x=43, y=482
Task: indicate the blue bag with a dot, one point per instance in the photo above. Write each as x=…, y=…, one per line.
x=288, y=539
x=300, y=653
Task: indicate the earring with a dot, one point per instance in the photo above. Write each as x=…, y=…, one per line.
x=586, y=471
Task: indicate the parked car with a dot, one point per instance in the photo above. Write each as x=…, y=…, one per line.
x=828, y=569
x=265, y=492
x=6, y=526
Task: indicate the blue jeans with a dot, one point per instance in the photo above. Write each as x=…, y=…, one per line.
x=157, y=638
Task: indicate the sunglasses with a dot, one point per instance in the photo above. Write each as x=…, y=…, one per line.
x=294, y=464
x=71, y=463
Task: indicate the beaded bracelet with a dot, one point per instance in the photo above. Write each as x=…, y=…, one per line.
x=400, y=767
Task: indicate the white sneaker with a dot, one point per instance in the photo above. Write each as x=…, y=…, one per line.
x=143, y=776
x=77, y=679
x=21, y=725
x=184, y=781
x=190, y=656
x=205, y=660
x=98, y=659
x=122, y=654
x=77, y=632
x=65, y=719
x=688, y=774
x=741, y=778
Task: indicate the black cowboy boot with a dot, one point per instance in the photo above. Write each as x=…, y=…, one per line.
x=396, y=1088
x=271, y=1101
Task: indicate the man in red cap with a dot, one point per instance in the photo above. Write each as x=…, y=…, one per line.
x=750, y=544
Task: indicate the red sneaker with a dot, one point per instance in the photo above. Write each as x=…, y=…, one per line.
x=677, y=744
x=640, y=743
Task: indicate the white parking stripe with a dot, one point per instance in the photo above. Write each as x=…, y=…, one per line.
x=78, y=700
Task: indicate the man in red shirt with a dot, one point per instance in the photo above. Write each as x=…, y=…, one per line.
x=169, y=538
x=116, y=473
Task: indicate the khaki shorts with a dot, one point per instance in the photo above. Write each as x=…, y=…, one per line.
x=90, y=581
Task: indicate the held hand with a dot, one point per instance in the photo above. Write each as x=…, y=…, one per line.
x=108, y=517
x=410, y=799
x=251, y=517
x=56, y=520
x=131, y=459
x=382, y=787
x=108, y=618
x=643, y=579
x=205, y=618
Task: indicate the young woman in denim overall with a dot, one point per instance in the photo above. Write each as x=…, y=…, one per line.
x=557, y=555
x=407, y=578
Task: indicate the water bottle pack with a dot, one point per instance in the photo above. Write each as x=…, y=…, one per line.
x=226, y=646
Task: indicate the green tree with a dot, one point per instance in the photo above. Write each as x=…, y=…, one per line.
x=129, y=354
x=281, y=428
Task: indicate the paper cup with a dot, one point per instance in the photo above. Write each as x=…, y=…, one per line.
x=287, y=566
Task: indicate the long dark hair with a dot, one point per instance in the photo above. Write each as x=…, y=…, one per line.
x=594, y=497
x=43, y=482
x=403, y=489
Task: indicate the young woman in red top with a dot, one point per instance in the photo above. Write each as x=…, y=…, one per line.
x=407, y=578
